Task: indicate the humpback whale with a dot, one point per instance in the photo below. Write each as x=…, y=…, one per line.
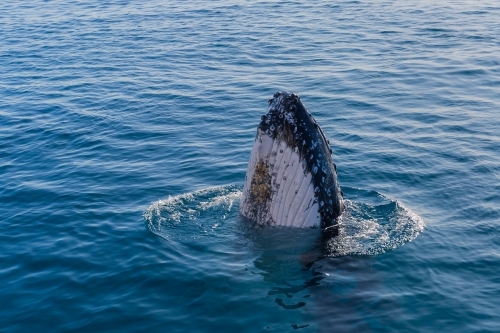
x=291, y=178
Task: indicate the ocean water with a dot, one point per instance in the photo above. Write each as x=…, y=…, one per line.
x=125, y=132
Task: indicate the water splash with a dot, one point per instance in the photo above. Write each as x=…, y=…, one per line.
x=193, y=215
x=372, y=223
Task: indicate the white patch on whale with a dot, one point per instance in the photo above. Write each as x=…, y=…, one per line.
x=292, y=201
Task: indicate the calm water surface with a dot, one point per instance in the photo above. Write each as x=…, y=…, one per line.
x=125, y=132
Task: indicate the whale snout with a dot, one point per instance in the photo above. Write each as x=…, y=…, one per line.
x=291, y=160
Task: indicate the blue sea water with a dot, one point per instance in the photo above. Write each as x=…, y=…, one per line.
x=125, y=132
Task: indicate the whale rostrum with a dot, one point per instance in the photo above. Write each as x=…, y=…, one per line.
x=291, y=179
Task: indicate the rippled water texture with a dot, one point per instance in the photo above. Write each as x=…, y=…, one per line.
x=125, y=132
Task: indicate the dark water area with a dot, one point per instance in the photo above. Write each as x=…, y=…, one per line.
x=125, y=133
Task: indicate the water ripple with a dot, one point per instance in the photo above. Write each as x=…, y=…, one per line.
x=106, y=107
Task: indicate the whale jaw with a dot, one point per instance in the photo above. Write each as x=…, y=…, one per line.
x=291, y=178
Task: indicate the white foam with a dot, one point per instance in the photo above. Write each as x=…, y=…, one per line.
x=371, y=225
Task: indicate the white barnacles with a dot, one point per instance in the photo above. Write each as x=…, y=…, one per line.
x=290, y=118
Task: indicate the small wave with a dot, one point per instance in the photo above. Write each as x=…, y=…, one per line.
x=192, y=215
x=372, y=223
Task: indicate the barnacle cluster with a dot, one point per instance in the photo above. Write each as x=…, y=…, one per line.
x=260, y=190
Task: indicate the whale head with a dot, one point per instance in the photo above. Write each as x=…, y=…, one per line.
x=291, y=179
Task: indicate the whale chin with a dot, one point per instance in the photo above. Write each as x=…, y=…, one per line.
x=291, y=179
